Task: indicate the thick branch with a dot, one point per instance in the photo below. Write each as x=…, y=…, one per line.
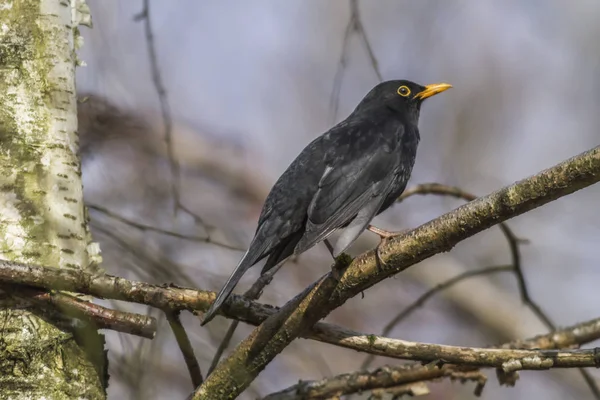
x=235, y=373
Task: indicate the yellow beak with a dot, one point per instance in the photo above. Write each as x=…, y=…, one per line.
x=433, y=89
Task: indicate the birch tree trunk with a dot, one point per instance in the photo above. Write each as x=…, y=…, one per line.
x=42, y=216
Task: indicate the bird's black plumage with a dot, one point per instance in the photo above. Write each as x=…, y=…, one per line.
x=342, y=179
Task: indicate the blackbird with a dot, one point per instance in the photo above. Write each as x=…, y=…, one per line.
x=341, y=180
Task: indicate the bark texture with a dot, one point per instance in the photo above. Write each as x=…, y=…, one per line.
x=42, y=216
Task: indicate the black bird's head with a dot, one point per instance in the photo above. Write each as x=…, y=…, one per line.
x=400, y=96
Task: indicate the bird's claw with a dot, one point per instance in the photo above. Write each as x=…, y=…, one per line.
x=384, y=236
x=378, y=259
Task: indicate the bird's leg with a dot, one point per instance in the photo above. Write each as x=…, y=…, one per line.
x=341, y=261
x=384, y=236
x=329, y=247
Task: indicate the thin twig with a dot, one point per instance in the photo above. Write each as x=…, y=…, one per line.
x=185, y=346
x=428, y=295
x=162, y=98
x=253, y=293
x=144, y=227
x=354, y=25
x=360, y=29
x=334, y=102
x=167, y=119
x=513, y=243
x=163, y=269
x=100, y=317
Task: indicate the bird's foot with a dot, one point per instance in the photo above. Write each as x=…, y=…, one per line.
x=384, y=236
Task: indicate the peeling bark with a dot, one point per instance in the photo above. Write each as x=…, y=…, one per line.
x=42, y=216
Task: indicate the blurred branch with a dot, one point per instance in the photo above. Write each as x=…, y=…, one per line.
x=397, y=254
x=360, y=29
x=161, y=269
x=185, y=346
x=144, y=227
x=428, y=295
x=100, y=317
x=167, y=119
x=144, y=15
x=354, y=26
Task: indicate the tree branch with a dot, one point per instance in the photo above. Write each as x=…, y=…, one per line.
x=236, y=372
x=354, y=26
x=238, y=307
x=149, y=228
x=501, y=357
x=100, y=317
x=185, y=346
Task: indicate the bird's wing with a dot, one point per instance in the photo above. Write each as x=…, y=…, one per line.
x=360, y=167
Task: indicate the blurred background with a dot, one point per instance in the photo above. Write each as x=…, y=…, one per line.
x=249, y=84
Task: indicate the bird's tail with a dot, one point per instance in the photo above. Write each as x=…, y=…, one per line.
x=245, y=263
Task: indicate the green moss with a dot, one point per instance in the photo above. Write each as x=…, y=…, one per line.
x=371, y=339
x=342, y=261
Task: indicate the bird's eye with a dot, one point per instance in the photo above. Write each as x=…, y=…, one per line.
x=403, y=91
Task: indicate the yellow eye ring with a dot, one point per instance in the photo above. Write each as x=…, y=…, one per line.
x=404, y=91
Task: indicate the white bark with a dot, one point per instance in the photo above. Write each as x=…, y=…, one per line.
x=42, y=217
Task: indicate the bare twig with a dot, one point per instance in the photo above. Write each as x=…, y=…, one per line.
x=360, y=29
x=162, y=97
x=167, y=119
x=100, y=317
x=162, y=269
x=185, y=346
x=144, y=227
x=354, y=25
x=334, y=102
x=253, y=294
x=397, y=254
x=428, y=295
